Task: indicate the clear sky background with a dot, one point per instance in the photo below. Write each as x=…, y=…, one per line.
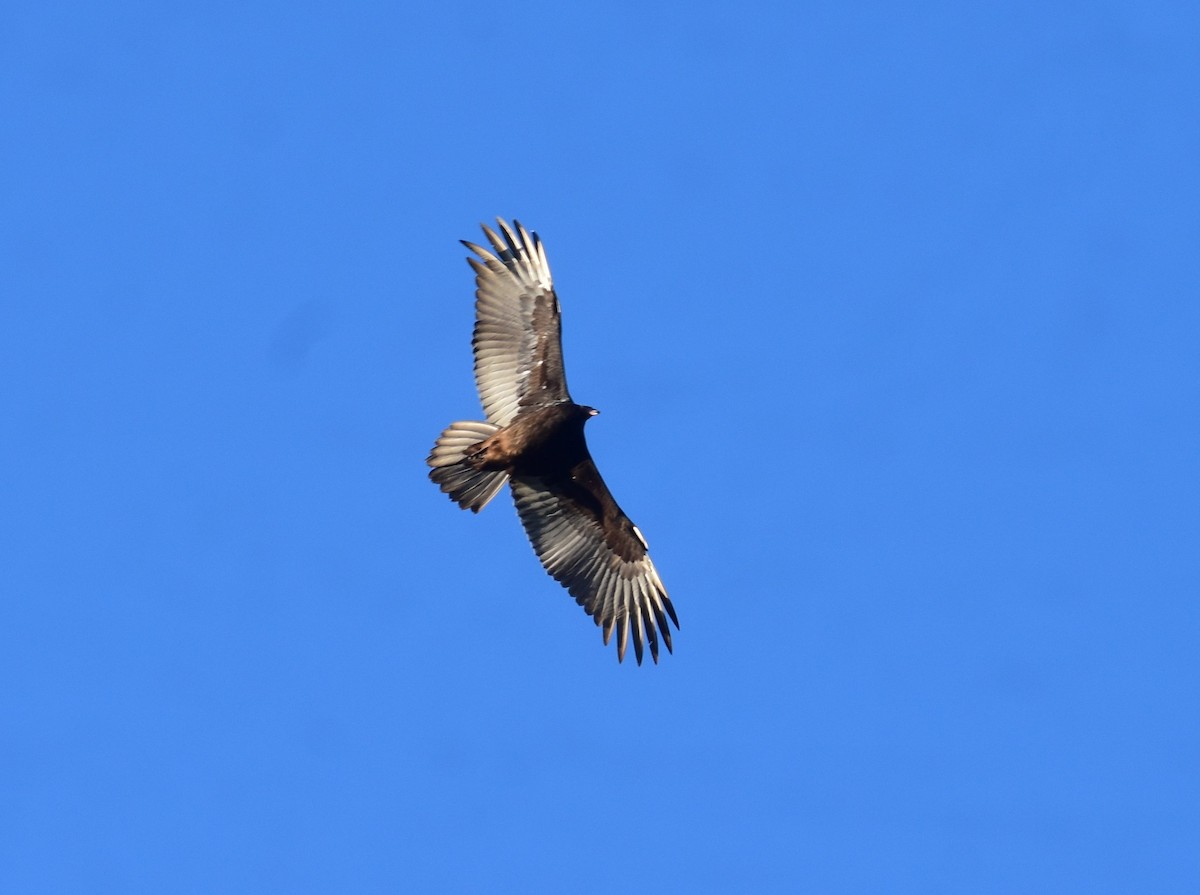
x=892, y=313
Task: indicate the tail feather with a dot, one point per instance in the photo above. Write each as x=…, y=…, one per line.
x=470, y=488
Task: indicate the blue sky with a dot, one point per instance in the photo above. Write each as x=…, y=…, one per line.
x=891, y=310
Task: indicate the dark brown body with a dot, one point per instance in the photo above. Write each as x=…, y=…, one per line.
x=542, y=441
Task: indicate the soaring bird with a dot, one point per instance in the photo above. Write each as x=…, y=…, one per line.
x=533, y=440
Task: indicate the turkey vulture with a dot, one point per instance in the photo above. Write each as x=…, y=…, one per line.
x=533, y=440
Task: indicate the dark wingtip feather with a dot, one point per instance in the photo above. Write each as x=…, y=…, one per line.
x=651, y=634
x=661, y=618
x=509, y=236
x=529, y=241
x=494, y=238
x=670, y=610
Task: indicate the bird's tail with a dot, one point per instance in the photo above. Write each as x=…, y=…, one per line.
x=470, y=488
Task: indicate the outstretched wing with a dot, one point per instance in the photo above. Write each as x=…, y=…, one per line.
x=591, y=547
x=518, y=330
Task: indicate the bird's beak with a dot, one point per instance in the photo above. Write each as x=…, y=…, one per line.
x=592, y=411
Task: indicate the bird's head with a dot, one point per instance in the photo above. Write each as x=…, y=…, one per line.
x=587, y=412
